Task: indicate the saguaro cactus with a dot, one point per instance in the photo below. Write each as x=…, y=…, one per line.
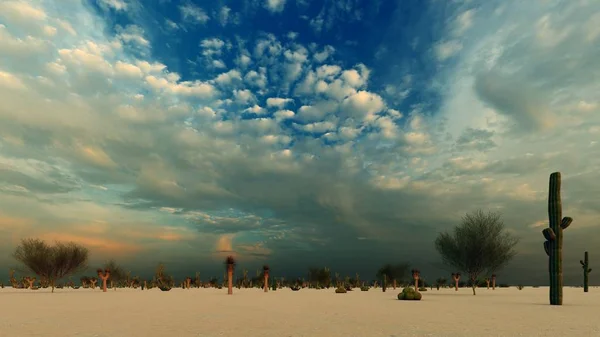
x=103, y=275
x=554, y=235
x=585, y=264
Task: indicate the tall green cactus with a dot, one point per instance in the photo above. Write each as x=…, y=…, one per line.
x=554, y=235
x=585, y=264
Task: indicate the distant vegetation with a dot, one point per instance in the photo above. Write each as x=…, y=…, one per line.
x=478, y=245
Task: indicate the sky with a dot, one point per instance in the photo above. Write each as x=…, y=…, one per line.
x=297, y=133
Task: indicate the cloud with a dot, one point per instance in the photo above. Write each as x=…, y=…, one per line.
x=278, y=102
x=194, y=14
x=274, y=6
x=118, y=5
x=292, y=146
x=446, y=49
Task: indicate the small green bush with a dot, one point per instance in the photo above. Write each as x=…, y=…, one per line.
x=520, y=287
x=341, y=290
x=409, y=294
x=422, y=289
x=164, y=288
x=364, y=288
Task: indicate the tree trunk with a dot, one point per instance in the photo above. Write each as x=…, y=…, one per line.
x=266, y=285
x=52, y=284
x=473, y=284
x=394, y=284
x=229, y=280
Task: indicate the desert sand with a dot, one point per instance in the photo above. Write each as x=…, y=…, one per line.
x=285, y=313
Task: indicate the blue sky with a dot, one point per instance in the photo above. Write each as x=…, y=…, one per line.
x=295, y=132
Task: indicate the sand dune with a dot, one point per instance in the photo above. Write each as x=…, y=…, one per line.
x=284, y=313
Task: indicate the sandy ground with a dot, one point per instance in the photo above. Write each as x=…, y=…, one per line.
x=283, y=313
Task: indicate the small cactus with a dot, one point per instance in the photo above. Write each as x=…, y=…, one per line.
x=585, y=264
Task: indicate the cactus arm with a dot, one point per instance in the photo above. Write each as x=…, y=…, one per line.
x=566, y=221
x=547, y=247
x=581, y=261
x=549, y=234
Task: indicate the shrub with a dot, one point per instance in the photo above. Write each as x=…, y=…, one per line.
x=295, y=287
x=409, y=294
x=340, y=290
x=364, y=288
x=520, y=287
x=164, y=288
x=422, y=289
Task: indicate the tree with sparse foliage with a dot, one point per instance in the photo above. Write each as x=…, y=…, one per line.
x=51, y=262
x=394, y=273
x=480, y=244
x=117, y=274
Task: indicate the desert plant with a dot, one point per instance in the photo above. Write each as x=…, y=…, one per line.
x=163, y=281
x=364, y=288
x=422, y=289
x=493, y=281
x=487, y=282
x=295, y=287
x=416, y=274
x=117, y=274
x=409, y=294
x=520, y=287
x=51, y=262
x=30, y=281
x=266, y=271
x=585, y=264
x=554, y=239
x=104, y=275
x=393, y=273
x=456, y=278
x=230, y=265
x=12, y=280
x=340, y=290
x=320, y=276
x=440, y=282
x=93, y=282
x=478, y=244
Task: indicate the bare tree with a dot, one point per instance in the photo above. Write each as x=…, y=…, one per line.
x=117, y=274
x=478, y=245
x=394, y=273
x=51, y=262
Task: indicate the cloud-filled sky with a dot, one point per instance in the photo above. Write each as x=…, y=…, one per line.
x=296, y=133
